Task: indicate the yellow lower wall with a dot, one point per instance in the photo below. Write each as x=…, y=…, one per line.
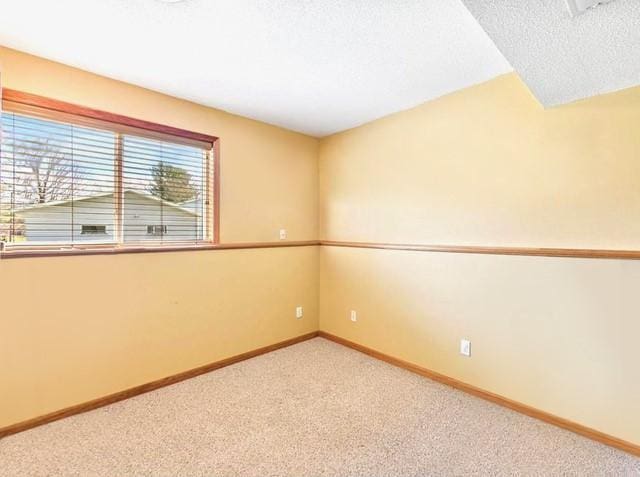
x=488, y=166
x=554, y=333
x=76, y=328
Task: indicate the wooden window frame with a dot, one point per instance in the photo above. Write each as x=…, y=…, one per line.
x=14, y=101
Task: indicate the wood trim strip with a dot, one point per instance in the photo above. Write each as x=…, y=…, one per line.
x=535, y=252
x=125, y=250
x=145, y=388
x=485, y=250
x=33, y=100
x=585, y=431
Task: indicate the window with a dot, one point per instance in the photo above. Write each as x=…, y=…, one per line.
x=77, y=180
x=156, y=229
x=94, y=229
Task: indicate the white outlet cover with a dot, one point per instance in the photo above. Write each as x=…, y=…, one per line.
x=298, y=312
x=465, y=347
x=283, y=234
x=354, y=316
x=576, y=7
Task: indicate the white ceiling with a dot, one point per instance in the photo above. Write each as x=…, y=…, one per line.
x=560, y=58
x=315, y=66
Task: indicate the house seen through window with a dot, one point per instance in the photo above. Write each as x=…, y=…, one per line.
x=63, y=183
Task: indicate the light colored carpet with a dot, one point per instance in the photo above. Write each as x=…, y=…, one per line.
x=313, y=409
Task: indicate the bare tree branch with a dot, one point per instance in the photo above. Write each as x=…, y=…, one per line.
x=47, y=173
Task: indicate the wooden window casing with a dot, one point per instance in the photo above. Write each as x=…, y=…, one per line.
x=137, y=132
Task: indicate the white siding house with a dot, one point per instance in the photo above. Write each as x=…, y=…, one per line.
x=91, y=219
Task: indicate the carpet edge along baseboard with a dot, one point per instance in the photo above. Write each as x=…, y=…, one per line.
x=147, y=387
x=580, y=429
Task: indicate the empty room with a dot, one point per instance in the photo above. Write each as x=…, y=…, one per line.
x=369, y=238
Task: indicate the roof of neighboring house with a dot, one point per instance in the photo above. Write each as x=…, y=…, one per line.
x=35, y=207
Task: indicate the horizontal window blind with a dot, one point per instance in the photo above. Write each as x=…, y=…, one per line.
x=164, y=191
x=73, y=185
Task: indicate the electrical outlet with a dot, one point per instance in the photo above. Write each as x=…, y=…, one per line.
x=283, y=234
x=465, y=347
x=354, y=315
x=576, y=7
x=298, y=312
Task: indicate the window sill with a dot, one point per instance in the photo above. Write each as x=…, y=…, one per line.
x=104, y=250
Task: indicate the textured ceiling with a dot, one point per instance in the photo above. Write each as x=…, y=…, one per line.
x=560, y=58
x=315, y=66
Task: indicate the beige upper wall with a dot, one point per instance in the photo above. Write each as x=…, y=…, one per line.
x=489, y=166
x=268, y=174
